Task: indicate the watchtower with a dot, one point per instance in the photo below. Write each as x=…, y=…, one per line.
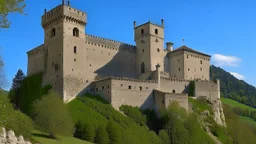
x=64, y=34
x=149, y=40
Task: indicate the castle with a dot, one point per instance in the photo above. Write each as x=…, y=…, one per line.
x=145, y=75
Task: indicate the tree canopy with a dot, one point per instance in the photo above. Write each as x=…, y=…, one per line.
x=8, y=6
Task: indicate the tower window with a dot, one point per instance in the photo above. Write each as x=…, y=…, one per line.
x=142, y=31
x=142, y=50
x=130, y=87
x=53, y=32
x=156, y=31
x=201, y=62
x=173, y=91
x=201, y=69
x=75, y=49
x=158, y=50
x=142, y=67
x=76, y=32
x=179, y=69
x=187, y=56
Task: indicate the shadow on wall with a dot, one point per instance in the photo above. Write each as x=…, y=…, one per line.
x=148, y=102
x=123, y=64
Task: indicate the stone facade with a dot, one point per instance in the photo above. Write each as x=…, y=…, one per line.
x=142, y=75
x=8, y=137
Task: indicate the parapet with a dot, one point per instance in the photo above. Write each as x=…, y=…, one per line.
x=37, y=50
x=126, y=79
x=157, y=25
x=175, y=79
x=110, y=44
x=63, y=12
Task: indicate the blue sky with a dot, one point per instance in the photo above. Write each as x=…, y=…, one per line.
x=225, y=29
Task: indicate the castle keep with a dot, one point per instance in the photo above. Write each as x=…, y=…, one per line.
x=146, y=75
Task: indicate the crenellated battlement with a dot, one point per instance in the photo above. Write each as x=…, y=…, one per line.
x=126, y=79
x=175, y=79
x=36, y=50
x=110, y=44
x=63, y=13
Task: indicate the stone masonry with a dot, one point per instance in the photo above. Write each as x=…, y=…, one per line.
x=147, y=74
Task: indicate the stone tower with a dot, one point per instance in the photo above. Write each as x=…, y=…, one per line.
x=64, y=34
x=149, y=40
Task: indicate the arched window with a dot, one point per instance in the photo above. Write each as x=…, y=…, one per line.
x=76, y=32
x=53, y=32
x=75, y=49
x=156, y=31
x=142, y=31
x=142, y=67
x=173, y=91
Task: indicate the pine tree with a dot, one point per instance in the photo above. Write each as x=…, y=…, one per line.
x=16, y=83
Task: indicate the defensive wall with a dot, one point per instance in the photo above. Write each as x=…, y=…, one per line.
x=208, y=89
x=162, y=99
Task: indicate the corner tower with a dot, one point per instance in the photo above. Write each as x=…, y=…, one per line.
x=149, y=40
x=64, y=36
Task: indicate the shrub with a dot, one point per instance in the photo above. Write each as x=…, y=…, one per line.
x=13, y=119
x=88, y=132
x=114, y=133
x=134, y=113
x=101, y=135
x=52, y=116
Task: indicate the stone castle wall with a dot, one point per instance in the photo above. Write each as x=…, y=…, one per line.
x=208, y=89
x=174, y=85
x=8, y=137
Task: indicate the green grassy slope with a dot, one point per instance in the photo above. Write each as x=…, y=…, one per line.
x=95, y=112
x=233, y=103
x=43, y=139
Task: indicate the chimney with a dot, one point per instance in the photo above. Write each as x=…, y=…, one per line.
x=63, y=2
x=68, y=3
x=162, y=22
x=44, y=11
x=134, y=24
x=169, y=46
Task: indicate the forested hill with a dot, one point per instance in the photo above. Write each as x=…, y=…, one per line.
x=233, y=88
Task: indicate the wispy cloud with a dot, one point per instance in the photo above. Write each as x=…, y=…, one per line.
x=237, y=75
x=222, y=60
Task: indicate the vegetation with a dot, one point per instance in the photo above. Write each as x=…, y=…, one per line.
x=199, y=105
x=52, y=116
x=14, y=91
x=7, y=6
x=233, y=88
x=43, y=138
x=96, y=112
x=13, y=119
x=134, y=113
x=101, y=135
x=31, y=90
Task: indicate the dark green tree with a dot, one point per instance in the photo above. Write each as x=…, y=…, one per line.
x=52, y=116
x=101, y=135
x=88, y=132
x=16, y=84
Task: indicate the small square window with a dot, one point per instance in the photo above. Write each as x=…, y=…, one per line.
x=102, y=87
x=130, y=87
x=140, y=87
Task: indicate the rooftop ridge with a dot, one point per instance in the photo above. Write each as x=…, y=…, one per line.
x=106, y=39
x=126, y=79
x=36, y=49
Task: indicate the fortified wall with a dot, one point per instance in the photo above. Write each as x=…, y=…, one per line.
x=208, y=89
x=8, y=137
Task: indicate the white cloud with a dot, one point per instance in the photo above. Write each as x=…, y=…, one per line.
x=237, y=75
x=222, y=60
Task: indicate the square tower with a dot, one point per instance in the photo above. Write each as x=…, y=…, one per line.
x=149, y=40
x=64, y=41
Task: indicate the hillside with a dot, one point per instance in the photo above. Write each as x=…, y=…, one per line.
x=233, y=88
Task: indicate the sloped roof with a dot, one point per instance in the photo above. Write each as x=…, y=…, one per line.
x=185, y=48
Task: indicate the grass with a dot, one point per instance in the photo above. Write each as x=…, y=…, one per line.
x=233, y=103
x=248, y=120
x=44, y=139
x=200, y=104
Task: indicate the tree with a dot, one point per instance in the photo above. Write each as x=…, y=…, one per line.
x=114, y=132
x=163, y=135
x=88, y=132
x=52, y=116
x=7, y=6
x=173, y=119
x=101, y=135
x=16, y=83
